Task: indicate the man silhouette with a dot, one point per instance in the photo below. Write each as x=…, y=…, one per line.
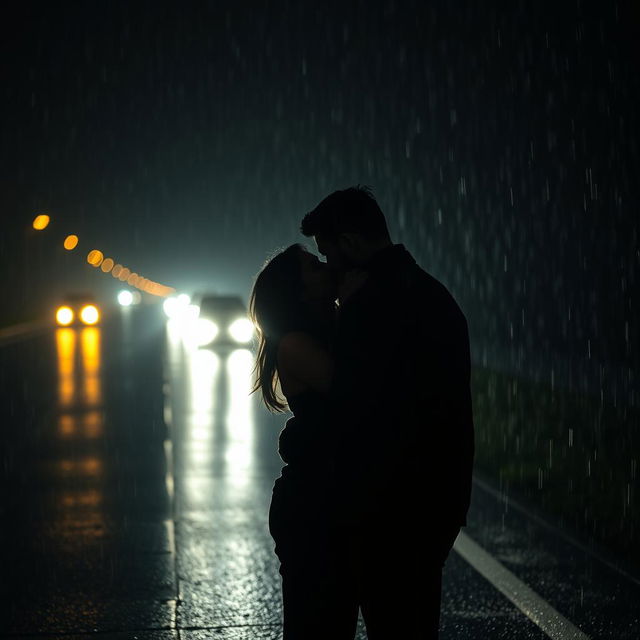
x=402, y=423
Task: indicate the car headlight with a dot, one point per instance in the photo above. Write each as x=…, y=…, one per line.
x=89, y=314
x=64, y=316
x=170, y=306
x=180, y=307
x=204, y=331
x=241, y=330
x=125, y=298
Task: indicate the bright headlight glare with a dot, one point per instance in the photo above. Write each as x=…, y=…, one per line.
x=64, y=316
x=180, y=307
x=125, y=298
x=190, y=312
x=170, y=306
x=205, y=331
x=241, y=330
x=89, y=314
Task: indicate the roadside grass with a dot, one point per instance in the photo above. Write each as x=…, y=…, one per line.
x=574, y=456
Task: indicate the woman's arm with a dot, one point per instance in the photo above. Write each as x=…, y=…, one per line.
x=301, y=358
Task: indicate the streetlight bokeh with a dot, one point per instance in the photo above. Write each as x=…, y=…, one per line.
x=95, y=257
x=70, y=242
x=41, y=222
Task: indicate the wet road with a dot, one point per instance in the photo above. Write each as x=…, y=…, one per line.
x=135, y=481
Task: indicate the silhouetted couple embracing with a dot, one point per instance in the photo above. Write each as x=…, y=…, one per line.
x=371, y=355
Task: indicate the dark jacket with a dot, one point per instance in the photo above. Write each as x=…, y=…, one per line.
x=403, y=422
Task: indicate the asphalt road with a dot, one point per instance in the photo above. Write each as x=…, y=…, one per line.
x=135, y=481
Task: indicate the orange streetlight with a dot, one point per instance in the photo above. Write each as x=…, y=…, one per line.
x=41, y=222
x=95, y=257
x=71, y=242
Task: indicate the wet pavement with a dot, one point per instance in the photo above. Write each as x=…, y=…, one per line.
x=135, y=482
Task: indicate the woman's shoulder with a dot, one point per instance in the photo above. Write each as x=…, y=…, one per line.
x=299, y=346
x=302, y=357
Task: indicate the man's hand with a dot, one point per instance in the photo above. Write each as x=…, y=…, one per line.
x=351, y=282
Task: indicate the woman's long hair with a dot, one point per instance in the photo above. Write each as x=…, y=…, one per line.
x=276, y=307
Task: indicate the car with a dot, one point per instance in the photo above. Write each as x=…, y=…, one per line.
x=78, y=309
x=223, y=321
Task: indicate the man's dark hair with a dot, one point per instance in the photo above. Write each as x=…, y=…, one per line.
x=352, y=210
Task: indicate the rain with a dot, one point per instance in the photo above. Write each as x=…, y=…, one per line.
x=185, y=142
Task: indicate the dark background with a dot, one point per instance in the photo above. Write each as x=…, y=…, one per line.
x=187, y=140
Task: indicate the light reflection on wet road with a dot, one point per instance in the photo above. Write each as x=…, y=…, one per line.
x=136, y=479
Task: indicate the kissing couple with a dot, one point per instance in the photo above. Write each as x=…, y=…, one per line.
x=370, y=354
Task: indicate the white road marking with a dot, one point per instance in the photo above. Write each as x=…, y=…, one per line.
x=538, y=610
x=511, y=503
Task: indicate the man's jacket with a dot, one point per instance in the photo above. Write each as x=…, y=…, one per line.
x=402, y=422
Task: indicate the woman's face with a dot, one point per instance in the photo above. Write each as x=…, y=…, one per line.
x=317, y=279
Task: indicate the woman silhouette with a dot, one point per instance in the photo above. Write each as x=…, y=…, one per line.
x=293, y=307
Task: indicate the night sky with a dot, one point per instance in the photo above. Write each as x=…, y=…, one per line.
x=187, y=140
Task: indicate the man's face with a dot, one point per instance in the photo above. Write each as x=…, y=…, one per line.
x=329, y=247
x=318, y=281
